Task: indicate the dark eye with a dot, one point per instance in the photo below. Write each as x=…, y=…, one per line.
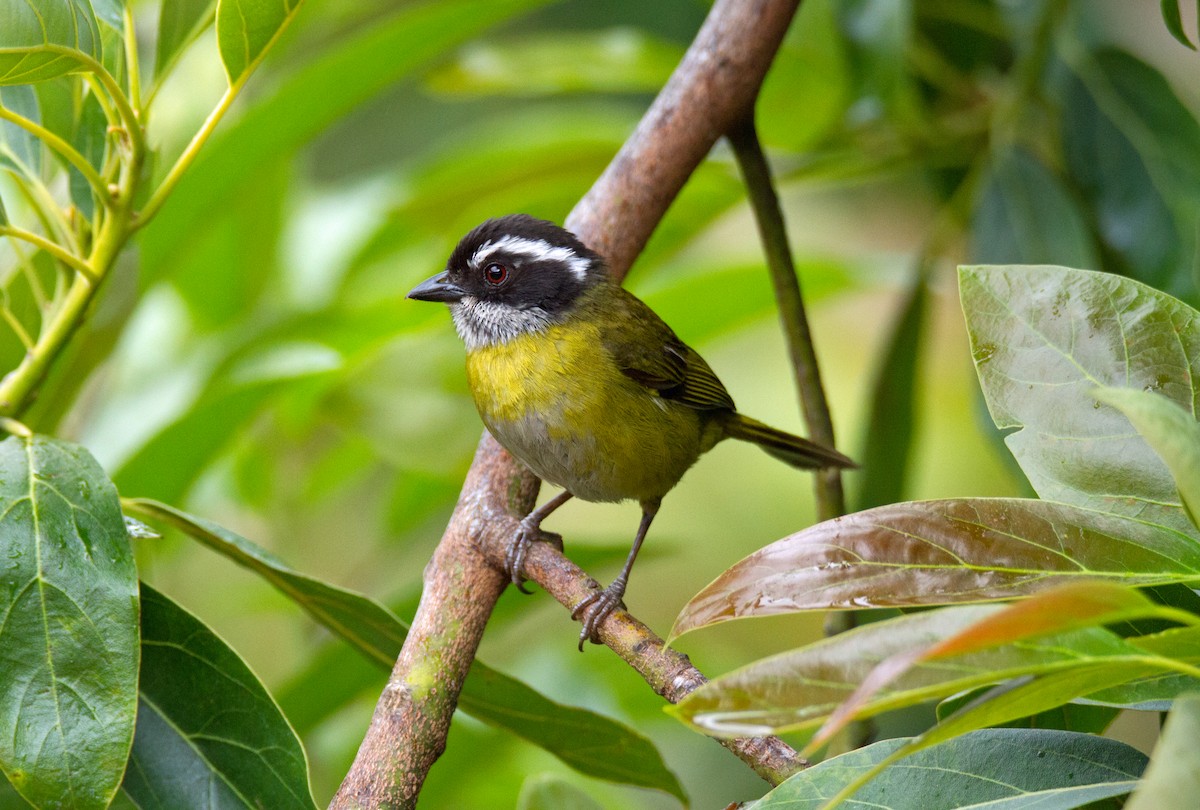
x=496, y=274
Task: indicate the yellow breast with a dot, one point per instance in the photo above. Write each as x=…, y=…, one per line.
x=557, y=401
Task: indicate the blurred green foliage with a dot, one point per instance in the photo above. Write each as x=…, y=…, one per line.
x=253, y=358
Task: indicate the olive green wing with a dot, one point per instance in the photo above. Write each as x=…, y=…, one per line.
x=648, y=352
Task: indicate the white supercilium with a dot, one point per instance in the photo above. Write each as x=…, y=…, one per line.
x=537, y=250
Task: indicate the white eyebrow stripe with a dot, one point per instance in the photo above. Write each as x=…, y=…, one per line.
x=538, y=250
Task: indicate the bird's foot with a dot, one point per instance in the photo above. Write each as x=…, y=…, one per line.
x=594, y=609
x=514, y=561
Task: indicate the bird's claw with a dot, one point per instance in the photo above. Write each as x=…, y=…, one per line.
x=514, y=560
x=594, y=609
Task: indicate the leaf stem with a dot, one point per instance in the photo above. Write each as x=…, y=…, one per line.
x=130, y=123
x=131, y=60
x=15, y=428
x=188, y=156
x=54, y=249
x=17, y=387
x=63, y=148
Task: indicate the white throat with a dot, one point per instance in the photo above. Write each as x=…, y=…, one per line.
x=485, y=323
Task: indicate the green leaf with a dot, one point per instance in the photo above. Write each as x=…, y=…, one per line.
x=1130, y=213
x=91, y=137
x=37, y=40
x=613, y=61
x=811, y=64
x=1174, y=22
x=1083, y=604
x=1025, y=215
x=888, y=442
x=319, y=93
x=549, y=792
x=19, y=149
x=1043, y=338
x=1140, y=100
x=589, y=743
x=1171, y=431
x=364, y=623
x=171, y=461
x=997, y=768
x=1174, y=770
x=1155, y=692
x=208, y=732
x=69, y=633
x=1089, y=717
x=1069, y=607
x=799, y=689
x=614, y=751
x=246, y=29
x=942, y=552
x=179, y=22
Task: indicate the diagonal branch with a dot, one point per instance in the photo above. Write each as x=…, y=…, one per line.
x=712, y=88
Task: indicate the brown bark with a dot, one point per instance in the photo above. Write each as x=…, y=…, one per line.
x=714, y=87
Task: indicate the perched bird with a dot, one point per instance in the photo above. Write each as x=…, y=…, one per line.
x=583, y=383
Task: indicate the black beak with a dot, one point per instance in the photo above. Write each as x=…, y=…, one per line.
x=437, y=288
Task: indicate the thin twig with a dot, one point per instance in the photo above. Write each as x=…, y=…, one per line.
x=827, y=484
x=717, y=80
x=831, y=499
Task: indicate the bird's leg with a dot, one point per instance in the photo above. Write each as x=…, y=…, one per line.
x=529, y=531
x=594, y=609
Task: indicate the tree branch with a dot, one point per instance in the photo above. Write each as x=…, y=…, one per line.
x=711, y=89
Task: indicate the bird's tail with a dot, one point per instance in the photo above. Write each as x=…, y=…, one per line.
x=784, y=446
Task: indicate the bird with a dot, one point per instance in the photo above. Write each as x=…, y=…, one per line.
x=584, y=384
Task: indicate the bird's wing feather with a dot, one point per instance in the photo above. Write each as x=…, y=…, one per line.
x=648, y=352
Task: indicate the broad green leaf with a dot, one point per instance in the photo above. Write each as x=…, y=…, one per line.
x=996, y=769
x=1174, y=770
x=887, y=445
x=612, y=61
x=68, y=632
x=170, y=462
x=811, y=64
x=19, y=149
x=1155, y=692
x=1174, y=22
x=1024, y=214
x=614, y=751
x=549, y=792
x=319, y=93
x=1023, y=697
x=878, y=36
x=37, y=41
x=91, y=137
x=942, y=552
x=1172, y=432
x=1130, y=212
x=1062, y=609
x=364, y=623
x=1089, y=717
x=208, y=732
x=179, y=22
x=247, y=28
x=1043, y=338
x=589, y=743
x=1140, y=100
x=799, y=689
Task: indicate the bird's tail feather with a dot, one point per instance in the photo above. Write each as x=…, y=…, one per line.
x=784, y=446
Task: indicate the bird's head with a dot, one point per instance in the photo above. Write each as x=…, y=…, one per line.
x=510, y=276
